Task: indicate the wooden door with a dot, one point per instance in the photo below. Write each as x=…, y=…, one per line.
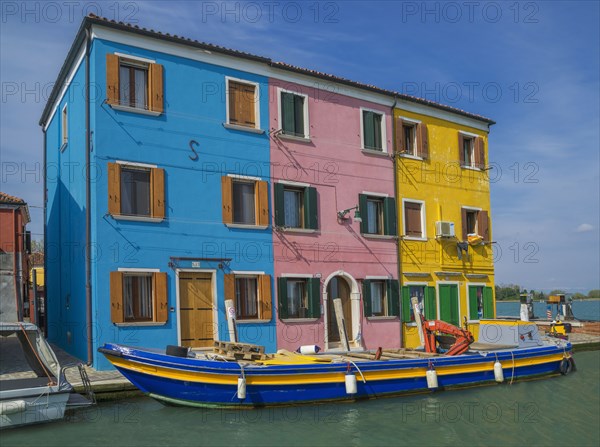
x=196, y=310
x=338, y=288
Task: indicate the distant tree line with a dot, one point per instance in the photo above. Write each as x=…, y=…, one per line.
x=513, y=292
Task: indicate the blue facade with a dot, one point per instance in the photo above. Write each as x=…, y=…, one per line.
x=193, y=228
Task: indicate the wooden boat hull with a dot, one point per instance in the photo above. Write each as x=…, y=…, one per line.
x=211, y=383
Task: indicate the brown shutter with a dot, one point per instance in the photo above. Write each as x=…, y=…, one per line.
x=479, y=153
x=112, y=79
x=158, y=193
x=234, y=95
x=463, y=214
x=161, y=297
x=116, y=297
x=226, y=192
x=483, y=228
x=412, y=214
x=262, y=192
x=461, y=153
x=156, y=88
x=400, y=136
x=266, y=309
x=114, y=189
x=229, y=287
x=422, y=141
x=248, y=98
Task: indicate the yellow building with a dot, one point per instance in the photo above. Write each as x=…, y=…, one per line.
x=443, y=192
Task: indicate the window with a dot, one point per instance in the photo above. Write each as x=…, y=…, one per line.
x=414, y=219
x=299, y=297
x=242, y=103
x=381, y=298
x=411, y=138
x=64, y=129
x=138, y=297
x=373, y=131
x=471, y=150
x=481, y=302
x=245, y=201
x=378, y=215
x=295, y=206
x=294, y=114
x=475, y=222
x=251, y=294
x=409, y=134
x=136, y=191
x=425, y=296
x=134, y=83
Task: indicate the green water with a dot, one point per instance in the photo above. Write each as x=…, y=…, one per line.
x=558, y=411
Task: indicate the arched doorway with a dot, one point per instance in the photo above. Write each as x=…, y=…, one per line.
x=338, y=288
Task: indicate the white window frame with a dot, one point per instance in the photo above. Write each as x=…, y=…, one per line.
x=279, y=114
x=472, y=208
x=64, y=127
x=472, y=137
x=249, y=274
x=423, y=220
x=141, y=271
x=415, y=123
x=416, y=284
x=256, y=103
x=384, y=149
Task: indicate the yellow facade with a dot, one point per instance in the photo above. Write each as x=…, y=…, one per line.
x=437, y=183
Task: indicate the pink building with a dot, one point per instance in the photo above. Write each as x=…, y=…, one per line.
x=331, y=152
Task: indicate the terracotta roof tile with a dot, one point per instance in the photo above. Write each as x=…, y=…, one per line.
x=12, y=200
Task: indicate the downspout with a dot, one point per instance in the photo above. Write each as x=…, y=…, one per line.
x=88, y=216
x=397, y=220
x=45, y=328
x=15, y=262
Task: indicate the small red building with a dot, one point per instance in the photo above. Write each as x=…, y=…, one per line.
x=15, y=243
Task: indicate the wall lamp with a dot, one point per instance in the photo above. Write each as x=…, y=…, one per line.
x=343, y=215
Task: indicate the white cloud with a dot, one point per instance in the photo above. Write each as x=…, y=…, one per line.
x=584, y=228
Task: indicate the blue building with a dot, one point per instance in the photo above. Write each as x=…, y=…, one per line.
x=157, y=204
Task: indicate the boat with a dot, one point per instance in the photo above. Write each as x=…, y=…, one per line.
x=42, y=394
x=506, y=351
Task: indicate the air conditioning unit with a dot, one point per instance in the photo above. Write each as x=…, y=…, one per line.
x=444, y=229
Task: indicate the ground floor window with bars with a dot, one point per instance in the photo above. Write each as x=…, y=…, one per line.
x=137, y=297
x=246, y=297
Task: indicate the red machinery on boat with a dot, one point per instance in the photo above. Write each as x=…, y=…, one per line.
x=463, y=337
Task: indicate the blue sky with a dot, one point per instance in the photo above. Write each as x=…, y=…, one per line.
x=531, y=66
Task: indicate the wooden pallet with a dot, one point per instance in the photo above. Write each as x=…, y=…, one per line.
x=240, y=351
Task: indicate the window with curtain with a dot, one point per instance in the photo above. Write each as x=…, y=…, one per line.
x=374, y=216
x=135, y=191
x=293, y=207
x=419, y=293
x=378, y=298
x=246, y=296
x=244, y=202
x=297, y=298
x=133, y=84
x=137, y=297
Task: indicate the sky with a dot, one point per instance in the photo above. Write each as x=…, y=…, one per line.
x=533, y=67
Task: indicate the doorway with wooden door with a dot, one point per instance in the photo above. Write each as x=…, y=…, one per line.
x=338, y=287
x=196, y=309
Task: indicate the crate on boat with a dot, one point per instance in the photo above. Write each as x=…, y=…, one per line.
x=240, y=351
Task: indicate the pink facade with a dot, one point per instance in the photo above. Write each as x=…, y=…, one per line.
x=333, y=161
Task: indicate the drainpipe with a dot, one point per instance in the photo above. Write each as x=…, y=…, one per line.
x=45, y=328
x=397, y=211
x=88, y=217
x=15, y=261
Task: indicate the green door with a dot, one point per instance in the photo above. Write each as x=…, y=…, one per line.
x=449, y=303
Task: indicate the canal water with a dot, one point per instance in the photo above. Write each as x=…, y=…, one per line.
x=557, y=411
x=582, y=310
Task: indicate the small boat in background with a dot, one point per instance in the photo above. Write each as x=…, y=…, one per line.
x=44, y=394
x=241, y=376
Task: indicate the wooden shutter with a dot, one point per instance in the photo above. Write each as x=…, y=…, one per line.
x=422, y=141
x=229, y=287
x=483, y=225
x=461, y=152
x=393, y=297
x=488, y=302
x=288, y=122
x=311, y=214
x=116, y=297
x=479, y=153
x=406, y=304
x=158, y=193
x=368, y=130
x=314, y=298
x=112, y=79
x=399, y=143
x=377, y=134
x=266, y=307
x=226, y=193
x=473, y=315
x=114, y=189
x=282, y=308
x=412, y=215
x=430, y=303
x=278, y=204
x=362, y=206
x=262, y=192
x=161, y=297
x=390, y=224
x=242, y=99
x=156, y=88
x=234, y=93
x=299, y=116
x=367, y=301
x=463, y=216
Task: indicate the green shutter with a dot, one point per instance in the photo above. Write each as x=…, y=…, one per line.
x=279, y=205
x=362, y=206
x=287, y=113
x=406, y=304
x=299, y=115
x=449, y=303
x=282, y=297
x=389, y=216
x=488, y=303
x=367, y=303
x=368, y=129
x=377, y=141
x=314, y=298
x=311, y=215
x=430, y=303
x=393, y=298
x=473, y=303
